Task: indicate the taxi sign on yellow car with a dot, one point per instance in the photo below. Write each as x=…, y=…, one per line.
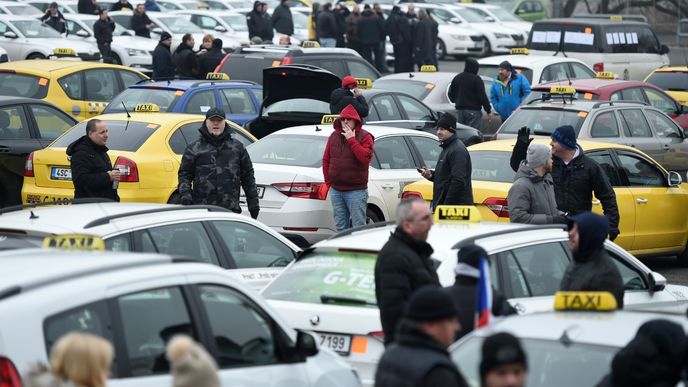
x=428, y=69
x=146, y=108
x=604, y=75
x=217, y=76
x=616, y=17
x=590, y=301
x=519, y=51
x=64, y=51
x=311, y=44
x=74, y=242
x=457, y=214
x=364, y=83
x=328, y=119
x=562, y=90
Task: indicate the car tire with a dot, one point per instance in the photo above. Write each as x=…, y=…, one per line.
x=441, y=50
x=115, y=59
x=35, y=55
x=487, y=48
x=373, y=216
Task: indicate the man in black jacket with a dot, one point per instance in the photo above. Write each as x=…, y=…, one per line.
x=102, y=30
x=216, y=166
x=504, y=362
x=467, y=92
x=403, y=264
x=92, y=171
x=257, y=24
x=185, y=58
x=419, y=357
x=591, y=269
x=122, y=4
x=211, y=59
x=346, y=95
x=371, y=30
x=326, y=27
x=452, y=175
x=281, y=19
x=398, y=28
x=54, y=18
x=163, y=64
x=141, y=23
x=575, y=176
x=464, y=290
x=87, y=7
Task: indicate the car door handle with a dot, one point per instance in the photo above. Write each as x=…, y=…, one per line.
x=666, y=146
x=5, y=149
x=595, y=202
x=387, y=186
x=641, y=201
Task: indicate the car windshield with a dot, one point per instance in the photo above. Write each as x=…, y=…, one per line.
x=17, y=85
x=237, y=22
x=492, y=71
x=35, y=29
x=671, y=81
x=543, y=120
x=418, y=89
x=164, y=98
x=300, y=20
x=470, y=15
x=550, y=362
x=123, y=135
x=504, y=15
x=180, y=25
x=292, y=150
x=491, y=166
x=298, y=105
x=23, y=9
x=338, y=278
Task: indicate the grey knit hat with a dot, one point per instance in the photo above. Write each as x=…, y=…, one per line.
x=537, y=155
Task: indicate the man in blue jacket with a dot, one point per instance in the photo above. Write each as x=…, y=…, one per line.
x=508, y=90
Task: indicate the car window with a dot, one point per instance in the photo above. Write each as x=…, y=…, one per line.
x=604, y=159
x=632, y=94
x=73, y=28
x=337, y=67
x=543, y=266
x=429, y=150
x=51, y=122
x=414, y=109
x=200, y=102
x=393, y=153
x=237, y=101
x=71, y=84
x=543, y=120
x=252, y=247
x=418, y=89
x=301, y=151
x=640, y=172
x=580, y=71
x=13, y=123
x=605, y=125
x=634, y=123
x=491, y=166
x=664, y=126
x=186, y=239
x=101, y=85
x=166, y=99
x=361, y=70
x=149, y=320
x=660, y=100
x=258, y=93
x=372, y=113
x=554, y=72
x=207, y=22
x=118, y=243
x=240, y=331
x=386, y=108
x=178, y=142
x=19, y=85
x=647, y=41
x=516, y=282
x=631, y=278
x=129, y=78
x=122, y=135
x=669, y=80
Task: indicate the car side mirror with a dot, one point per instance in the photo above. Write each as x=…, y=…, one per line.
x=10, y=35
x=455, y=20
x=664, y=49
x=306, y=345
x=220, y=29
x=157, y=30
x=657, y=282
x=83, y=33
x=490, y=19
x=675, y=179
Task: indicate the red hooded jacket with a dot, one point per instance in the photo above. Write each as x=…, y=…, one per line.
x=345, y=162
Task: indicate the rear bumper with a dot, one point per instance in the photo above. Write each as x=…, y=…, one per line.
x=34, y=194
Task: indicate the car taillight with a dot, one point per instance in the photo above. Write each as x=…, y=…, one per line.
x=9, y=377
x=218, y=69
x=128, y=169
x=411, y=195
x=498, y=205
x=316, y=191
x=378, y=335
x=597, y=67
x=287, y=60
x=28, y=166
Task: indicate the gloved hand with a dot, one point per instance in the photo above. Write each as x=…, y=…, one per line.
x=524, y=135
x=254, y=212
x=613, y=233
x=560, y=219
x=186, y=200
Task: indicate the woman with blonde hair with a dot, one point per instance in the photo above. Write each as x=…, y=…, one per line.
x=206, y=44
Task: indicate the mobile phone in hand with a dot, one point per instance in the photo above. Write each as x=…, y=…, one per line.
x=420, y=170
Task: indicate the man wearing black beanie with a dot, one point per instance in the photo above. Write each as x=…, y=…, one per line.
x=504, y=363
x=452, y=175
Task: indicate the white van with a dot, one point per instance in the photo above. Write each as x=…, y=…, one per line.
x=627, y=48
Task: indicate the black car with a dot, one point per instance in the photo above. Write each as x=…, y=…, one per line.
x=26, y=125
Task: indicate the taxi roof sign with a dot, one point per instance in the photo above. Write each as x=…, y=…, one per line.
x=428, y=69
x=75, y=242
x=616, y=17
x=364, y=83
x=519, y=51
x=328, y=119
x=146, y=108
x=457, y=214
x=217, y=76
x=311, y=44
x=604, y=75
x=64, y=51
x=562, y=90
x=586, y=301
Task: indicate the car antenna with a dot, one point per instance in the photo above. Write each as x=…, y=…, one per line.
x=411, y=75
x=317, y=128
x=125, y=110
x=33, y=216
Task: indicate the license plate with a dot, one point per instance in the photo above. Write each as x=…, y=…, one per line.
x=338, y=343
x=261, y=191
x=58, y=173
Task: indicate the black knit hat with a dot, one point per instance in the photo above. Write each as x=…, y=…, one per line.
x=430, y=303
x=506, y=65
x=501, y=349
x=447, y=121
x=165, y=35
x=471, y=254
x=566, y=136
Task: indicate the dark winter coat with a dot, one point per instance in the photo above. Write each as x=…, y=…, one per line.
x=345, y=162
x=371, y=29
x=57, y=22
x=218, y=167
x=139, y=23
x=452, y=175
x=403, y=265
x=118, y=6
x=326, y=25
x=416, y=360
x=185, y=61
x=342, y=97
x=467, y=90
x=531, y=197
x=209, y=61
x=282, y=21
x=258, y=24
x=352, y=29
x=102, y=31
x=90, y=165
x=163, y=63
x=87, y=7
x=423, y=40
x=398, y=28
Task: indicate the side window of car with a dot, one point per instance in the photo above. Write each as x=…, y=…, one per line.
x=429, y=150
x=337, y=67
x=543, y=266
x=634, y=123
x=200, y=102
x=632, y=94
x=605, y=125
x=51, y=122
x=190, y=131
x=580, y=71
x=393, y=153
x=372, y=113
x=664, y=126
x=128, y=78
x=241, y=332
x=554, y=72
x=386, y=108
x=149, y=320
x=13, y=123
x=414, y=109
x=207, y=22
x=640, y=172
x=241, y=137
x=187, y=239
x=660, y=101
x=71, y=84
x=252, y=247
x=604, y=159
x=73, y=28
x=632, y=279
x=360, y=69
x=118, y=243
x=3, y=27
x=616, y=96
x=101, y=85
x=238, y=101
x=516, y=285
x=647, y=41
x=178, y=142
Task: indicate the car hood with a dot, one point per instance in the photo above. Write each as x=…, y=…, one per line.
x=289, y=82
x=50, y=44
x=135, y=42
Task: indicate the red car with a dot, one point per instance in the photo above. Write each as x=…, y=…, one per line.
x=617, y=90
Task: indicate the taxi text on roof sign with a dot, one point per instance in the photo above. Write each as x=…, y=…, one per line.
x=329, y=119
x=146, y=108
x=591, y=301
x=364, y=83
x=604, y=75
x=616, y=17
x=457, y=214
x=562, y=90
x=217, y=76
x=428, y=69
x=311, y=44
x=64, y=51
x=519, y=51
x=74, y=242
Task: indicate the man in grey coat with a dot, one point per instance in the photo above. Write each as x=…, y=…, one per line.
x=531, y=197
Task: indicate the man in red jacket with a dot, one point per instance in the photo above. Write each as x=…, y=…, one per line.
x=345, y=167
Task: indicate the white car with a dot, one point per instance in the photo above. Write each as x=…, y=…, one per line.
x=28, y=38
x=331, y=288
x=138, y=302
x=172, y=23
x=226, y=5
x=538, y=68
x=500, y=17
x=293, y=195
x=226, y=23
x=18, y=8
x=127, y=50
x=251, y=251
x=177, y=5
x=43, y=6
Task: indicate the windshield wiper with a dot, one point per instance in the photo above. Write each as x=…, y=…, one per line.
x=326, y=299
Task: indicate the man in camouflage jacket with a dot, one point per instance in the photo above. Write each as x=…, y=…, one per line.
x=217, y=164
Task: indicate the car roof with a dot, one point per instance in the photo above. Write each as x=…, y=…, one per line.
x=593, y=84
x=671, y=68
x=525, y=60
x=8, y=100
x=324, y=130
x=508, y=144
x=185, y=84
x=421, y=76
x=555, y=102
x=296, y=50
x=46, y=66
x=588, y=21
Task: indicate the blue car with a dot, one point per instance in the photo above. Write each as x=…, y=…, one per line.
x=239, y=99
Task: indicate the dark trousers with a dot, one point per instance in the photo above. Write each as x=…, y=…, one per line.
x=403, y=58
x=469, y=117
x=355, y=45
x=105, y=52
x=367, y=53
x=381, y=58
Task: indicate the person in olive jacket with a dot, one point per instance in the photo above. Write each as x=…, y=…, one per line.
x=92, y=171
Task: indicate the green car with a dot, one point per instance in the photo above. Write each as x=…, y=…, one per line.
x=528, y=10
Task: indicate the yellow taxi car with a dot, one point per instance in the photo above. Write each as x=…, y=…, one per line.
x=147, y=146
x=673, y=80
x=82, y=89
x=653, y=203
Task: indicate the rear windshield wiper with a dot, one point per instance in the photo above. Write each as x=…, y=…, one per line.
x=326, y=299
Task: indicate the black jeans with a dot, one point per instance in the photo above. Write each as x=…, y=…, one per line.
x=105, y=52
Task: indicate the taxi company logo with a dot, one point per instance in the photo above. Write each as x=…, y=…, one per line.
x=315, y=320
x=450, y=213
x=584, y=301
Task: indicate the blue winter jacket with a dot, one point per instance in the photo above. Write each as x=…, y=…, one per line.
x=505, y=98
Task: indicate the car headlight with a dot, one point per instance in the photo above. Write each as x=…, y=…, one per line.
x=459, y=37
x=135, y=52
x=501, y=36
